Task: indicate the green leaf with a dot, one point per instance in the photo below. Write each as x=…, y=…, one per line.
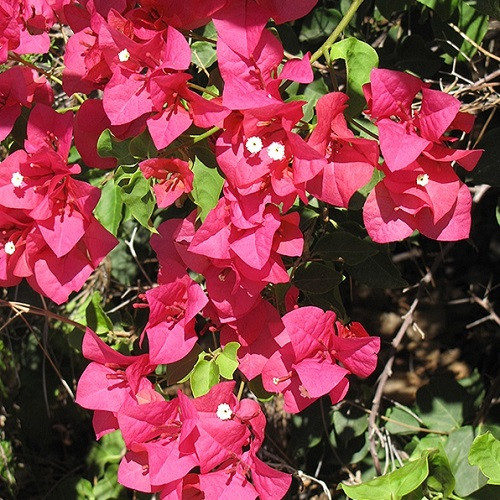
x=109, y=450
x=108, y=487
x=349, y=422
x=136, y=193
x=109, y=145
x=255, y=385
x=360, y=58
x=319, y=23
x=84, y=489
x=312, y=93
x=181, y=370
x=109, y=209
x=389, y=7
x=207, y=186
x=443, y=8
x=474, y=25
x=468, y=478
x=401, y=422
x=96, y=318
x=392, y=486
x=203, y=54
x=377, y=271
x=227, y=360
x=345, y=246
x=203, y=377
x=442, y=404
x=314, y=277
x=441, y=478
x=142, y=146
x=485, y=453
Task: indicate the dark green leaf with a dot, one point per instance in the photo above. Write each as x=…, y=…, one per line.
x=181, y=369
x=345, y=246
x=401, y=422
x=207, y=186
x=142, y=147
x=442, y=404
x=360, y=58
x=377, y=271
x=314, y=277
x=443, y=8
x=485, y=453
x=96, y=318
x=349, y=422
x=255, y=385
x=392, y=486
x=312, y=93
x=109, y=145
x=468, y=478
x=440, y=478
x=136, y=193
x=319, y=24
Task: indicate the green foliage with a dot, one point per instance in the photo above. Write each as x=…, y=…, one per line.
x=392, y=486
x=207, y=186
x=443, y=404
x=360, y=58
x=377, y=271
x=468, y=478
x=136, y=194
x=313, y=277
x=344, y=246
x=227, y=360
x=110, y=207
x=485, y=453
x=109, y=146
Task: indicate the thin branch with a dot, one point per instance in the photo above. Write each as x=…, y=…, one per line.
x=387, y=371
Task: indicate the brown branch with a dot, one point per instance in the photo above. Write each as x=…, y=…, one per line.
x=387, y=371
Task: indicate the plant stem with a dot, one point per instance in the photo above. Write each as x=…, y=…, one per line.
x=337, y=31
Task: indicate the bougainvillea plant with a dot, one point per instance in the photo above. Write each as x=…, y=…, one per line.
x=223, y=160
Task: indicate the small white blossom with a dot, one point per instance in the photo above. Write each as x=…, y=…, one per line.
x=124, y=55
x=254, y=144
x=423, y=179
x=9, y=248
x=17, y=179
x=224, y=411
x=276, y=151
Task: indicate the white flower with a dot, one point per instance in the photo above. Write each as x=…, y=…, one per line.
x=423, y=179
x=224, y=411
x=276, y=151
x=124, y=55
x=254, y=144
x=17, y=179
x=9, y=248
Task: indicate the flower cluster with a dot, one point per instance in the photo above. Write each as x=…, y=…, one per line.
x=133, y=58
x=48, y=233
x=420, y=189
x=167, y=440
